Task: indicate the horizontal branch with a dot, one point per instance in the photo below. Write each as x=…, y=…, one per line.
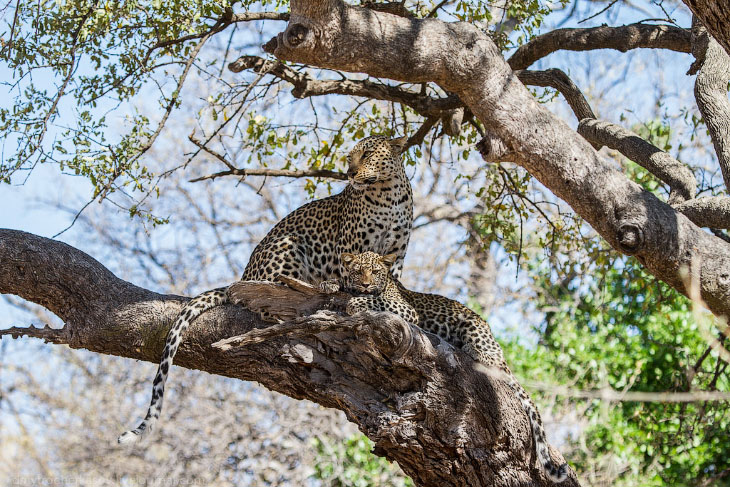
x=253, y=16
x=622, y=39
x=711, y=212
x=276, y=173
x=47, y=334
x=426, y=407
x=662, y=165
x=305, y=86
x=611, y=395
x=266, y=172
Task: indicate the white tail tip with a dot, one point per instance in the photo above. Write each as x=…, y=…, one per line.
x=129, y=438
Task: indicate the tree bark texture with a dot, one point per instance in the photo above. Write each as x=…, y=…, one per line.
x=715, y=15
x=712, y=65
x=463, y=60
x=425, y=404
x=622, y=38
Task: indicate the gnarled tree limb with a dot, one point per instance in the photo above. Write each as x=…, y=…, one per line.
x=714, y=15
x=713, y=72
x=666, y=168
x=420, y=400
x=306, y=86
x=712, y=212
x=621, y=39
x=557, y=79
x=464, y=60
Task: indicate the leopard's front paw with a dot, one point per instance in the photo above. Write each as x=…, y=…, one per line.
x=329, y=287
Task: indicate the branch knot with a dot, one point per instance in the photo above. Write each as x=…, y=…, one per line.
x=630, y=238
x=295, y=35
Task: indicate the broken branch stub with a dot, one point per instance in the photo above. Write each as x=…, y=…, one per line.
x=285, y=300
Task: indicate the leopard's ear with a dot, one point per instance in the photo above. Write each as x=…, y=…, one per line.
x=389, y=259
x=398, y=144
x=347, y=258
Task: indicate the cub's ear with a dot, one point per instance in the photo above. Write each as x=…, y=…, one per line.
x=347, y=258
x=389, y=260
x=398, y=144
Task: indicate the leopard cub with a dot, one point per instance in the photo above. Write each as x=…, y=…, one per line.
x=368, y=274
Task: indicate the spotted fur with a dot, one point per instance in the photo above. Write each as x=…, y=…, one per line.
x=368, y=275
x=373, y=212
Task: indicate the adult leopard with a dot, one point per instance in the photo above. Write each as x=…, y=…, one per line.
x=368, y=274
x=373, y=212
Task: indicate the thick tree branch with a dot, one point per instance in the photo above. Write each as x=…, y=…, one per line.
x=464, y=60
x=621, y=39
x=712, y=212
x=557, y=79
x=714, y=15
x=713, y=71
x=420, y=400
x=665, y=167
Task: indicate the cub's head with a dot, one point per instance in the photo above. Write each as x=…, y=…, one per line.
x=366, y=273
x=374, y=159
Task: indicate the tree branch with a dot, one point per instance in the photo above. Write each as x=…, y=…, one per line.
x=714, y=15
x=276, y=173
x=665, y=167
x=48, y=334
x=242, y=173
x=251, y=16
x=463, y=60
x=622, y=39
x=306, y=86
x=557, y=79
x=420, y=400
x=712, y=212
x=713, y=71
x=612, y=395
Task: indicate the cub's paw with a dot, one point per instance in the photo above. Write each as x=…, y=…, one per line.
x=329, y=287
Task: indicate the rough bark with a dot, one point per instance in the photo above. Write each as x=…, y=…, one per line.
x=463, y=60
x=420, y=400
x=714, y=15
x=623, y=38
x=662, y=165
x=712, y=212
x=557, y=79
x=713, y=71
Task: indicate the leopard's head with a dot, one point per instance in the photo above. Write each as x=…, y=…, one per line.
x=374, y=159
x=366, y=273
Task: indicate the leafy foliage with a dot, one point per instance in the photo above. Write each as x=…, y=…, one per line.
x=624, y=331
x=350, y=464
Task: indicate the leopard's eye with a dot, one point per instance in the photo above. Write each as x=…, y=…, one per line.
x=367, y=153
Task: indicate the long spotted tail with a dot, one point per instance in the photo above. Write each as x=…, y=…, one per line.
x=190, y=311
x=557, y=473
